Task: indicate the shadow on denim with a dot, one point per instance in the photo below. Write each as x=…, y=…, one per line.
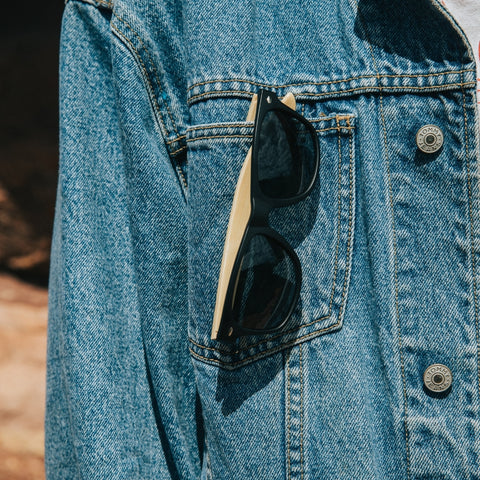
x=408, y=28
x=422, y=158
x=231, y=393
x=295, y=223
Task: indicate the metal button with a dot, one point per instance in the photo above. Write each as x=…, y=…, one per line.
x=429, y=139
x=437, y=378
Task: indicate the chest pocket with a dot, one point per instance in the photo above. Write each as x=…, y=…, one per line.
x=319, y=228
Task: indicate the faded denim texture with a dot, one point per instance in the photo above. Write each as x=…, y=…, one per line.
x=153, y=100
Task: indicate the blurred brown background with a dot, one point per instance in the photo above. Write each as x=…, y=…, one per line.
x=29, y=38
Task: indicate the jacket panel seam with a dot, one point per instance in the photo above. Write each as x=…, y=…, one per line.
x=146, y=76
x=152, y=64
x=301, y=412
x=240, y=135
x=176, y=152
x=331, y=82
x=250, y=125
x=339, y=92
x=287, y=355
x=295, y=457
x=395, y=253
x=397, y=306
x=339, y=215
x=246, y=125
x=472, y=240
x=350, y=223
x=179, y=139
x=340, y=122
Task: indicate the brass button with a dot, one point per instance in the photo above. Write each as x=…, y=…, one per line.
x=437, y=378
x=429, y=139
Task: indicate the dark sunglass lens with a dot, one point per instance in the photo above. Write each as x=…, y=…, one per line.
x=265, y=287
x=286, y=155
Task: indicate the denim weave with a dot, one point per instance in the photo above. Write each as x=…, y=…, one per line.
x=153, y=100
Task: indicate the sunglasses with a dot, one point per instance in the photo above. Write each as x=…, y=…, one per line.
x=260, y=275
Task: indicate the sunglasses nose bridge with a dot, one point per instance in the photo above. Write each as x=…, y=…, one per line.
x=260, y=212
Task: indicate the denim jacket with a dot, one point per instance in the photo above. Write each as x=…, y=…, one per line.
x=153, y=100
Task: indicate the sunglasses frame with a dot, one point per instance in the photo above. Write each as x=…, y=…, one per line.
x=261, y=205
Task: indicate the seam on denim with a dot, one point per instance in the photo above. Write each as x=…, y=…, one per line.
x=301, y=410
x=250, y=125
x=382, y=87
x=180, y=172
x=156, y=106
x=249, y=135
x=386, y=87
x=220, y=136
x=235, y=352
x=178, y=150
x=152, y=90
x=302, y=110
x=366, y=89
x=339, y=128
x=264, y=353
x=176, y=139
x=358, y=77
x=221, y=125
x=339, y=230
x=350, y=218
x=327, y=119
x=349, y=231
x=154, y=71
x=289, y=469
x=472, y=243
x=395, y=254
x=339, y=217
x=294, y=417
x=220, y=92
x=344, y=117
x=397, y=307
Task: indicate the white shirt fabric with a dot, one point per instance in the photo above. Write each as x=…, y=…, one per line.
x=467, y=15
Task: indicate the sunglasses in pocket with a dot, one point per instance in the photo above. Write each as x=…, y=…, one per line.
x=260, y=275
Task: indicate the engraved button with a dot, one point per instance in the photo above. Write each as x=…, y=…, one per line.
x=437, y=378
x=429, y=139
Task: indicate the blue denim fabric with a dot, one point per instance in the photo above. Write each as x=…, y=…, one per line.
x=153, y=100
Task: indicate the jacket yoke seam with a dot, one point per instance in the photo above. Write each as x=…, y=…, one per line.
x=330, y=82
x=365, y=89
x=153, y=96
x=153, y=68
x=472, y=242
